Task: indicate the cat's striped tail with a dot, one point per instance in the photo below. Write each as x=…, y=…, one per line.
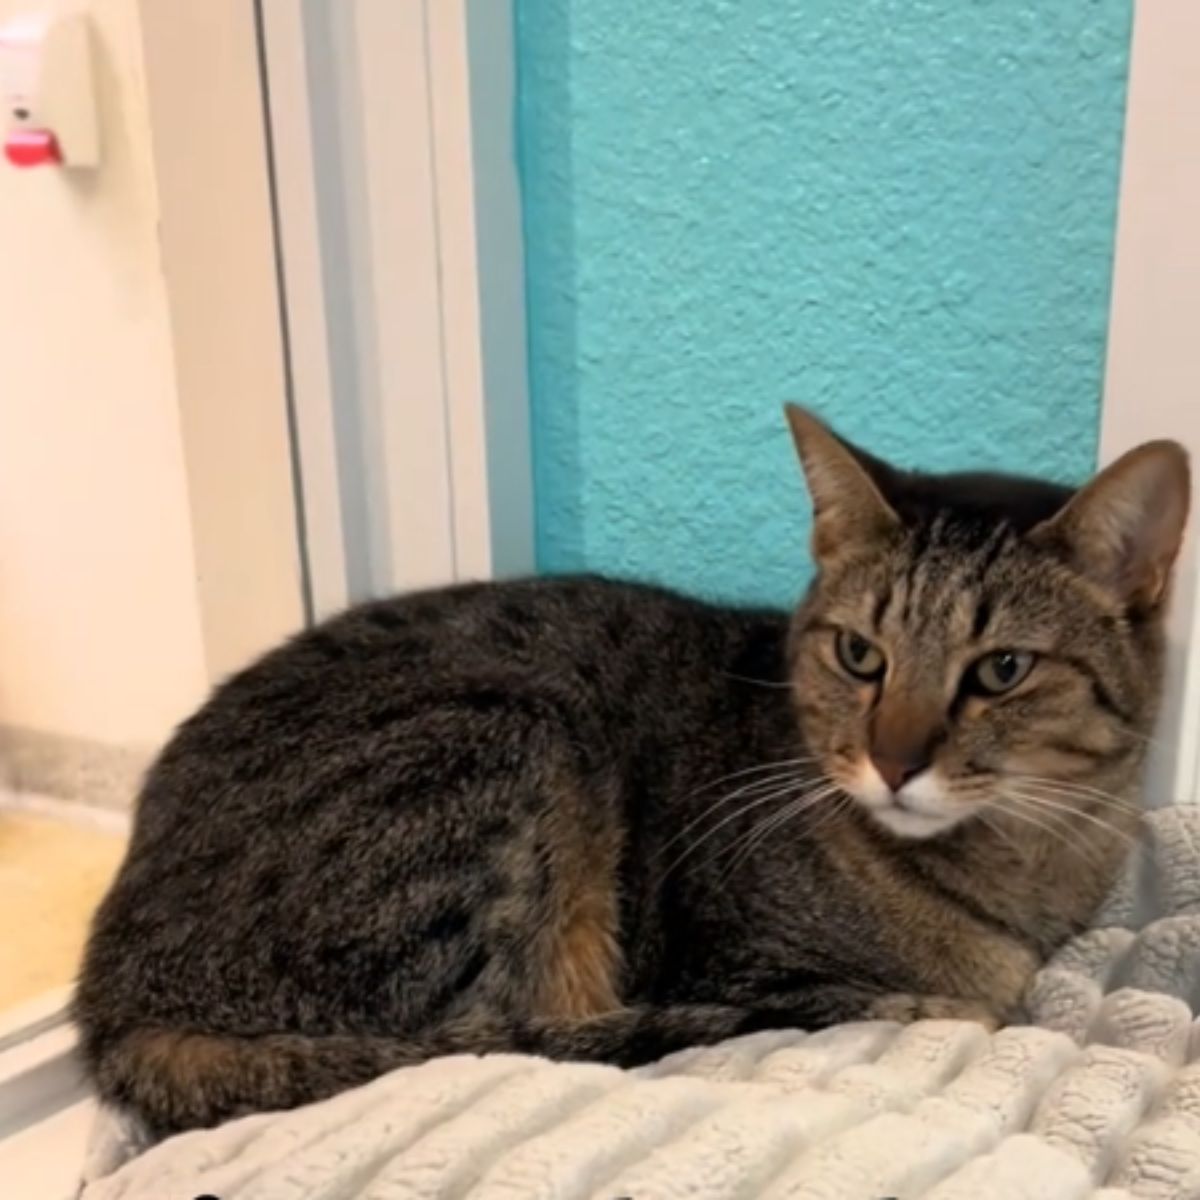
x=174, y=1080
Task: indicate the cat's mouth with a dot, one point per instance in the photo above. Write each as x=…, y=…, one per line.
x=922, y=808
x=906, y=819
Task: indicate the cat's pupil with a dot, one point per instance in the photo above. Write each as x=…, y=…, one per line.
x=1004, y=666
x=859, y=648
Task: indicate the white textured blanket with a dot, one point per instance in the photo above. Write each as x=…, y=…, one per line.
x=1099, y=1097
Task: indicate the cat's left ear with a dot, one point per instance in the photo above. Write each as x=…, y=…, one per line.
x=1124, y=529
x=848, y=507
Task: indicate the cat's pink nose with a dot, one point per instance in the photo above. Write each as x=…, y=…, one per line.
x=896, y=772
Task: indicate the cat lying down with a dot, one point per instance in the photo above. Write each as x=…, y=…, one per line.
x=602, y=822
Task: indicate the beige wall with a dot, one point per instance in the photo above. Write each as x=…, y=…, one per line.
x=147, y=541
x=99, y=618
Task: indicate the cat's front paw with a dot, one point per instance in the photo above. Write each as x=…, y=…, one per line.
x=906, y=1008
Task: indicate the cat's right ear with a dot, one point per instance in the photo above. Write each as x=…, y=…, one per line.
x=1125, y=528
x=848, y=508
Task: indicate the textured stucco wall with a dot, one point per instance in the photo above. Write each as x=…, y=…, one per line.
x=898, y=211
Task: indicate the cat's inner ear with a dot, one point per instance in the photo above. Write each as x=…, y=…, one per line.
x=1123, y=530
x=849, y=510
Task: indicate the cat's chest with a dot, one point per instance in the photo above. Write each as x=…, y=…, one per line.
x=945, y=946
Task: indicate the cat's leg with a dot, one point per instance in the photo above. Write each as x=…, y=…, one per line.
x=633, y=1036
x=907, y=1007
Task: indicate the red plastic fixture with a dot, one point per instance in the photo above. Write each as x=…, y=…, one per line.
x=32, y=148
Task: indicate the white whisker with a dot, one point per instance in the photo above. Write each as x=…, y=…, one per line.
x=1018, y=812
x=784, y=778
x=1068, y=803
x=766, y=683
x=1080, y=789
x=777, y=765
x=1011, y=842
x=763, y=829
x=741, y=811
x=1065, y=813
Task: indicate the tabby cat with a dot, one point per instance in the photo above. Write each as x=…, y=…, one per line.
x=595, y=820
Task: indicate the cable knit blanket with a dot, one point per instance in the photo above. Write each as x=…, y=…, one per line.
x=1098, y=1097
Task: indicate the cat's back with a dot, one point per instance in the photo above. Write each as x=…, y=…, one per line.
x=554, y=632
x=428, y=668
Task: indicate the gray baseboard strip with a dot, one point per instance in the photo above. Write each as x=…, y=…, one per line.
x=73, y=769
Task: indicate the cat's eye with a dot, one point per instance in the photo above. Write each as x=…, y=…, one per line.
x=860, y=658
x=999, y=672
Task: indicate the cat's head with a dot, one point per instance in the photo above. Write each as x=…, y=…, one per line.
x=981, y=643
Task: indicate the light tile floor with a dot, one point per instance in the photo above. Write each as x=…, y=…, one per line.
x=53, y=873
x=52, y=876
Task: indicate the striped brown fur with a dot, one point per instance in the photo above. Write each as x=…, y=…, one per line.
x=598, y=820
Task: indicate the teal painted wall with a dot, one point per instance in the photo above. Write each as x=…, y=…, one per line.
x=898, y=211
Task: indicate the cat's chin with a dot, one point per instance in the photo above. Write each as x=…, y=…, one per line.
x=909, y=824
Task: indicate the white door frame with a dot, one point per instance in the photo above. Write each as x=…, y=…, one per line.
x=1152, y=386
x=202, y=89
x=402, y=272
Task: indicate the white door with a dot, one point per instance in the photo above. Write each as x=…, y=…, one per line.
x=398, y=210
